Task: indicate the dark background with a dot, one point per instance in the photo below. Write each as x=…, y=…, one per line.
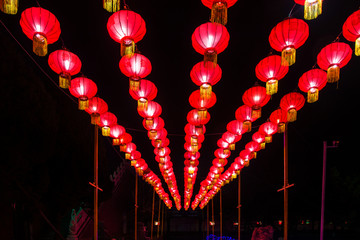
x=46, y=150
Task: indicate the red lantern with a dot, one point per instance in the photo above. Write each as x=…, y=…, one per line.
x=221, y=153
x=83, y=89
x=219, y=9
x=205, y=75
x=160, y=135
x=163, y=143
x=351, y=30
x=246, y=155
x=312, y=82
x=256, y=97
x=194, y=117
x=219, y=162
x=333, y=57
x=106, y=121
x=259, y=138
x=210, y=39
x=127, y=28
x=312, y=8
x=244, y=114
x=192, y=148
x=66, y=64
x=236, y=127
x=130, y=147
x=192, y=156
x=9, y=6
x=96, y=107
x=231, y=139
x=42, y=27
x=194, y=130
x=146, y=91
x=268, y=129
x=135, y=67
x=153, y=110
x=157, y=124
x=270, y=70
x=287, y=36
x=161, y=152
x=253, y=147
x=194, y=139
x=279, y=117
x=115, y=132
x=123, y=140
x=201, y=103
x=291, y=103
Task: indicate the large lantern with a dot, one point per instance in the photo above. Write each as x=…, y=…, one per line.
x=42, y=27
x=205, y=75
x=287, y=36
x=259, y=138
x=84, y=89
x=219, y=9
x=229, y=138
x=312, y=82
x=135, y=67
x=154, y=126
x=268, y=129
x=153, y=110
x=195, y=117
x=96, y=107
x=124, y=139
x=106, y=121
x=111, y=5
x=194, y=130
x=210, y=39
x=291, y=103
x=115, y=132
x=244, y=114
x=147, y=91
x=9, y=6
x=66, y=64
x=351, y=30
x=333, y=57
x=200, y=103
x=236, y=127
x=279, y=117
x=312, y=8
x=270, y=70
x=253, y=147
x=127, y=28
x=256, y=97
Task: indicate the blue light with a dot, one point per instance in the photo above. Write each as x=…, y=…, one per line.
x=211, y=237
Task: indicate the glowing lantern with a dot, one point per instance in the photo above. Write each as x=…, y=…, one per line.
x=312, y=8
x=127, y=28
x=270, y=70
x=157, y=124
x=106, y=121
x=153, y=110
x=205, y=75
x=268, y=129
x=130, y=147
x=194, y=140
x=42, y=27
x=115, y=132
x=253, y=147
x=135, y=67
x=163, y=143
x=219, y=9
x=124, y=139
x=333, y=57
x=291, y=103
x=192, y=148
x=221, y=154
x=111, y=5
x=146, y=91
x=194, y=130
x=96, y=107
x=236, y=127
x=9, y=6
x=287, y=36
x=66, y=64
x=351, y=30
x=244, y=114
x=246, y=155
x=83, y=89
x=279, y=117
x=210, y=39
x=200, y=103
x=312, y=82
x=230, y=138
x=219, y=162
x=160, y=135
x=195, y=117
x=259, y=138
x=256, y=97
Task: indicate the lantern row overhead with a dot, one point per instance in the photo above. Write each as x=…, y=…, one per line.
x=128, y=28
x=43, y=28
x=335, y=54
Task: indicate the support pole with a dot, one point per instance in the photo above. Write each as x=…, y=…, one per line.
x=220, y=214
x=323, y=192
x=96, y=181
x=286, y=183
x=158, y=226
x=207, y=220
x=136, y=204
x=152, y=215
x=239, y=205
x=162, y=220
x=212, y=218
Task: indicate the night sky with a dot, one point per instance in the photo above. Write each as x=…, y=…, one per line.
x=40, y=105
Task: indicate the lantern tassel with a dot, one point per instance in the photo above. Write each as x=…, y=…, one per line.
x=288, y=56
x=219, y=13
x=333, y=74
x=271, y=87
x=247, y=124
x=111, y=5
x=64, y=80
x=292, y=115
x=116, y=142
x=268, y=139
x=123, y=148
x=127, y=47
x=9, y=6
x=40, y=45
x=357, y=47
x=202, y=114
x=281, y=128
x=312, y=9
x=105, y=131
x=95, y=118
x=232, y=146
x=83, y=103
x=205, y=91
x=134, y=84
x=210, y=56
x=142, y=104
x=312, y=95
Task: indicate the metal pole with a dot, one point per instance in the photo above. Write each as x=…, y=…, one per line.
x=239, y=205
x=162, y=220
x=323, y=192
x=152, y=215
x=220, y=214
x=286, y=183
x=158, y=226
x=96, y=181
x=207, y=220
x=136, y=203
x=212, y=218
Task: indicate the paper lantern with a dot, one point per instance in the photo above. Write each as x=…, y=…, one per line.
x=115, y=132
x=200, y=103
x=153, y=110
x=195, y=117
x=130, y=147
x=135, y=67
x=219, y=9
x=111, y=5
x=268, y=129
x=106, y=121
x=256, y=97
x=127, y=28
x=312, y=8
x=9, y=6
x=244, y=114
x=66, y=64
x=42, y=27
x=96, y=107
x=123, y=140
x=291, y=103
x=194, y=130
x=333, y=57
x=270, y=70
x=147, y=91
x=253, y=147
x=351, y=30
x=236, y=127
x=312, y=82
x=154, y=126
x=287, y=36
x=83, y=88
x=279, y=117
x=230, y=138
x=259, y=138
x=210, y=39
